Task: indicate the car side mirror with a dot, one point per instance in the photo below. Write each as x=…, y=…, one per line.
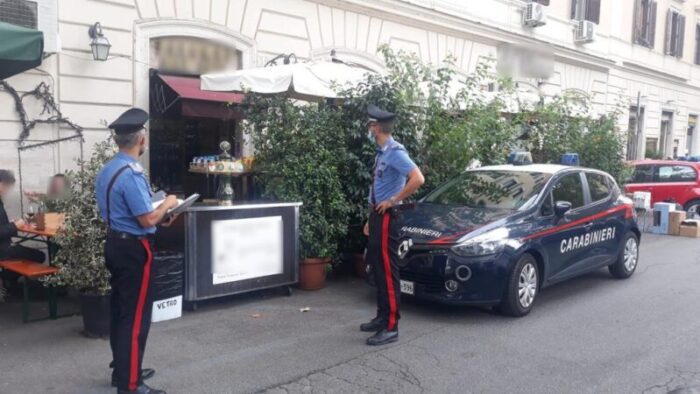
x=561, y=208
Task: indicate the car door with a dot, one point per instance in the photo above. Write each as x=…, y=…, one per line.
x=642, y=180
x=674, y=182
x=604, y=236
x=561, y=242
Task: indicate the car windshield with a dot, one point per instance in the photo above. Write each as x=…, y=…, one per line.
x=509, y=190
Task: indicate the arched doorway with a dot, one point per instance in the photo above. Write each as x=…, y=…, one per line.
x=169, y=56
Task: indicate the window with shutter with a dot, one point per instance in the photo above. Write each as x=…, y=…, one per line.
x=644, y=24
x=651, y=24
x=680, y=34
x=575, y=4
x=638, y=23
x=593, y=11
x=586, y=10
x=675, y=34
x=668, y=37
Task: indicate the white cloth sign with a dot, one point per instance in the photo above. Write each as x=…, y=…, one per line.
x=246, y=248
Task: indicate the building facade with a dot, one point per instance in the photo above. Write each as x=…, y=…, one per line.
x=642, y=54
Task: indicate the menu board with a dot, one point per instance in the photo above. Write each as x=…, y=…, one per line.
x=246, y=248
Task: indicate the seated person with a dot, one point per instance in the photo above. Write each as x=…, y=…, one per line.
x=58, y=185
x=8, y=229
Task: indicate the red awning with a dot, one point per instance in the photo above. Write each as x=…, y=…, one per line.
x=201, y=103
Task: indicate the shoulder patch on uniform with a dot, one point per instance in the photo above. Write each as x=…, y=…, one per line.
x=136, y=167
x=397, y=146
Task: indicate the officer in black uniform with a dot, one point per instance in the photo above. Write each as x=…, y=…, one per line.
x=124, y=198
x=395, y=177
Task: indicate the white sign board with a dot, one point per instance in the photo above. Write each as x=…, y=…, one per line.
x=170, y=308
x=246, y=248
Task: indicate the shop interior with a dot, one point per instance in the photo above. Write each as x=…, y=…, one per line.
x=187, y=123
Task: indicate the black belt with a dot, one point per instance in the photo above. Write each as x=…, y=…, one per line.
x=112, y=234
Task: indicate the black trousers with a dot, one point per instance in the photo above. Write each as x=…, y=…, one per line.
x=129, y=261
x=20, y=252
x=383, y=259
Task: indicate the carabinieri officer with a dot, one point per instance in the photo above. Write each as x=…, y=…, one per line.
x=124, y=199
x=392, y=168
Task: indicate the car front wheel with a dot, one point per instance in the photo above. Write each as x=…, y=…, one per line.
x=692, y=208
x=522, y=288
x=628, y=258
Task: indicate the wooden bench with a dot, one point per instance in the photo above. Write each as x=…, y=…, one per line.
x=32, y=271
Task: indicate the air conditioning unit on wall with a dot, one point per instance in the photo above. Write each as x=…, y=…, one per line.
x=34, y=14
x=534, y=15
x=584, y=32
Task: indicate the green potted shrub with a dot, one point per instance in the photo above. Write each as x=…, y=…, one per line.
x=297, y=154
x=80, y=243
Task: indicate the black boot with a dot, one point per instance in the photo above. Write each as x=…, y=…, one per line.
x=383, y=337
x=142, y=389
x=146, y=373
x=374, y=325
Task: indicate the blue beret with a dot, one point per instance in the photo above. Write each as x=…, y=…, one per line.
x=374, y=113
x=130, y=121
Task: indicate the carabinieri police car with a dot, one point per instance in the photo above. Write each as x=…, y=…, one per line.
x=496, y=235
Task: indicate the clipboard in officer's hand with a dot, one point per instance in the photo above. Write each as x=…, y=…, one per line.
x=181, y=206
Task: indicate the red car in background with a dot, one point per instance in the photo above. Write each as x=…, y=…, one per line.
x=668, y=181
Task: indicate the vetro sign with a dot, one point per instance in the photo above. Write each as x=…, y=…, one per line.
x=169, y=308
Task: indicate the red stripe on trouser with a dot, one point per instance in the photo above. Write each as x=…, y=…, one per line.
x=387, y=272
x=136, y=329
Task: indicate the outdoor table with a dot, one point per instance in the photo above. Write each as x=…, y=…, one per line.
x=29, y=233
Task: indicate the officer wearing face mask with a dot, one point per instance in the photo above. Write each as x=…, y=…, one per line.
x=124, y=199
x=395, y=177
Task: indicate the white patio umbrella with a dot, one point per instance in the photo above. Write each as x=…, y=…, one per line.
x=308, y=81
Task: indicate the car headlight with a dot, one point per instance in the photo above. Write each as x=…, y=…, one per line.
x=485, y=244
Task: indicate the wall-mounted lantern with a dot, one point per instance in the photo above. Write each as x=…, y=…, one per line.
x=100, y=44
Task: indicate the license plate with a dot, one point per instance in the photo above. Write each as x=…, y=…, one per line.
x=407, y=287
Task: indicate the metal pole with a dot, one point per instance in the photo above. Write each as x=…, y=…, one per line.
x=21, y=190
x=639, y=139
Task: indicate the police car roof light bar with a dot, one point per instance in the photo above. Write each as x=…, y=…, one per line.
x=570, y=159
x=520, y=158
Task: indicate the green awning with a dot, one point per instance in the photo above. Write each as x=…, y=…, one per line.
x=20, y=49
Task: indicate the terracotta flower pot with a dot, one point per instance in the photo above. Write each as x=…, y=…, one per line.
x=312, y=273
x=360, y=265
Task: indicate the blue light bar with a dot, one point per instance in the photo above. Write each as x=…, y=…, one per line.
x=570, y=159
x=520, y=158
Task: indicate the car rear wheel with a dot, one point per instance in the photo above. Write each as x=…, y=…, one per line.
x=628, y=258
x=693, y=209
x=522, y=288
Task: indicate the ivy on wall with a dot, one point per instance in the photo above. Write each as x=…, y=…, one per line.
x=43, y=93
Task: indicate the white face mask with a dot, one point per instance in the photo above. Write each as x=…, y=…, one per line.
x=370, y=136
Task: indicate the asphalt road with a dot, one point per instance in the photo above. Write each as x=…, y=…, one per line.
x=594, y=334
